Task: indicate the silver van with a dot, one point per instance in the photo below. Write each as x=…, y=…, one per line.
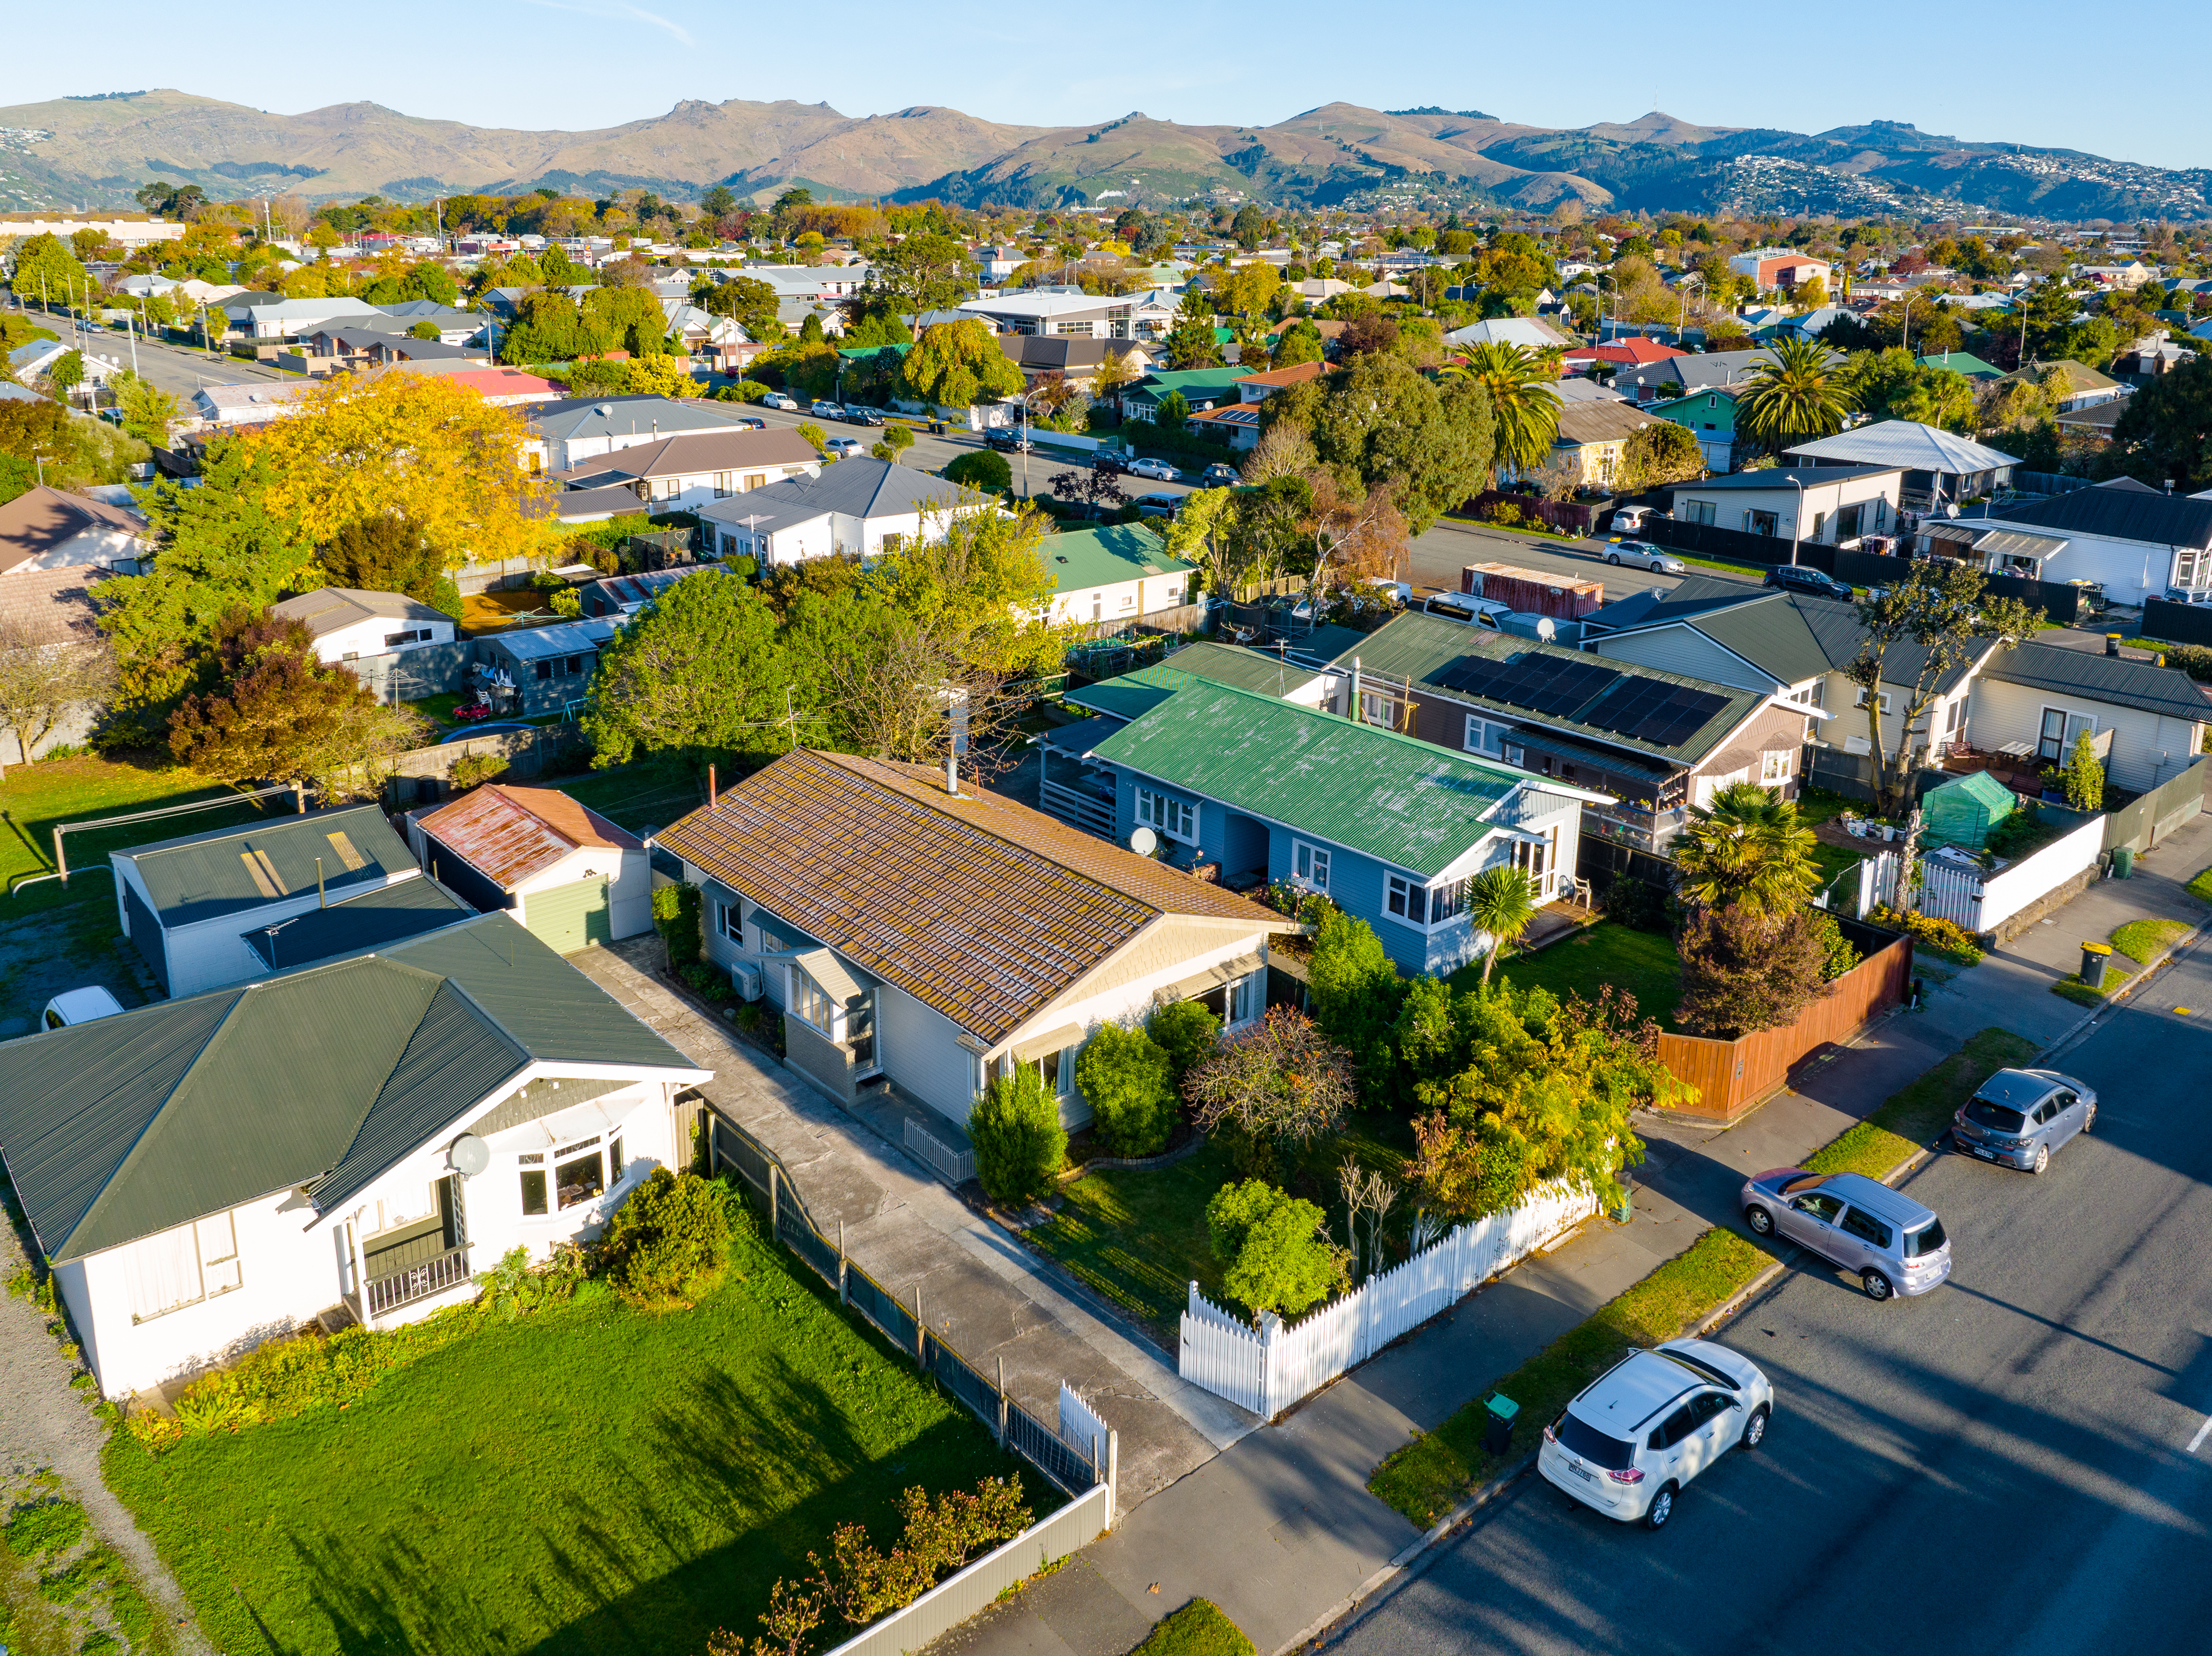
x=2018, y=1117
x=1896, y=1246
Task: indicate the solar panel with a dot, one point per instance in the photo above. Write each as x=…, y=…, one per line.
x=1541, y=683
x=1650, y=710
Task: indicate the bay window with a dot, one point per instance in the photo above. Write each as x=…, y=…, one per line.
x=580, y=1172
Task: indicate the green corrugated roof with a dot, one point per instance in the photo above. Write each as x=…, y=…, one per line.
x=203, y=875
x=1193, y=383
x=374, y=919
x=1407, y=803
x=1132, y=694
x=1964, y=362
x=1081, y=559
x=321, y=1077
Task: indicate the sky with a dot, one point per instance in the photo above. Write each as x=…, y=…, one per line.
x=1977, y=71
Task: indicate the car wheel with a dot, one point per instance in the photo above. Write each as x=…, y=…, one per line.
x=2090, y=1119
x=1657, y=568
x=1760, y=1221
x=1613, y=558
x=2042, y=1163
x=1661, y=1508
x=1876, y=1285
x=1754, y=1429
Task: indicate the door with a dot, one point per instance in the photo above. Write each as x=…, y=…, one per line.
x=1811, y=1219
x=2051, y=745
x=568, y=918
x=1718, y=1426
x=2070, y=1111
x=1865, y=1240
x=1676, y=1438
x=860, y=1037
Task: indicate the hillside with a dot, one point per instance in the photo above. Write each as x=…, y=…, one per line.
x=98, y=150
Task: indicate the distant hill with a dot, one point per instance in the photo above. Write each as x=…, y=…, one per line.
x=96, y=151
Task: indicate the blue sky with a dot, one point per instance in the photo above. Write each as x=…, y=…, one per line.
x=1976, y=70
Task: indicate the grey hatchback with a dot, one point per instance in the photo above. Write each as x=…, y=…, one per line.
x=2018, y=1117
x=1896, y=1246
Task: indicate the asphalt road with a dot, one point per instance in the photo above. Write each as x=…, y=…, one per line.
x=175, y=368
x=2020, y=1461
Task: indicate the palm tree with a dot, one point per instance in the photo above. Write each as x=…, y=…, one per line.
x=1797, y=396
x=1501, y=901
x=1521, y=399
x=1746, y=848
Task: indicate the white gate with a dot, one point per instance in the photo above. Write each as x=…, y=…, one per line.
x=1949, y=892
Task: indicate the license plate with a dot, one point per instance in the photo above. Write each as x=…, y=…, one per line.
x=1986, y=1153
x=1581, y=1472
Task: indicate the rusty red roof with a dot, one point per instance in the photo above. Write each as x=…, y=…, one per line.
x=509, y=834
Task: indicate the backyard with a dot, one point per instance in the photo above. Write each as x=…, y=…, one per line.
x=1639, y=963
x=589, y=1478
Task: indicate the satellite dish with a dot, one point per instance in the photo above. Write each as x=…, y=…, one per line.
x=1144, y=842
x=468, y=1154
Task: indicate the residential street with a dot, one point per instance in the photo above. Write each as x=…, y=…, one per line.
x=2015, y=1462
x=177, y=369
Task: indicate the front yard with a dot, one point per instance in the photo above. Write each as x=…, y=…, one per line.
x=1639, y=963
x=589, y=1478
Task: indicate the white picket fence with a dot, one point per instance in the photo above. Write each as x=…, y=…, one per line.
x=1080, y=1424
x=1978, y=902
x=1268, y=1369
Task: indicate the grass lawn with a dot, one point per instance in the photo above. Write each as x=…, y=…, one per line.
x=2141, y=940
x=1915, y=1115
x=1198, y=1628
x=588, y=1479
x=654, y=792
x=1640, y=963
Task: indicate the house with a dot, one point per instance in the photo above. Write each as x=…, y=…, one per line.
x=623, y=596
x=278, y=320
x=1389, y=828
x=1529, y=333
x=44, y=527
x=564, y=433
x=1654, y=742
x=1782, y=267
x=127, y=233
x=2136, y=543
x=688, y=473
x=2084, y=387
x=1941, y=467
x=934, y=935
x=2152, y=719
x=1710, y=414
x=562, y=872
x=541, y=670
x=503, y=388
x=2095, y=423
x=860, y=508
x=1592, y=441
x=1121, y=572
x=374, y=918
x=1679, y=376
x=352, y=1141
x=348, y=624
x=188, y=904
x=339, y=345
x=1077, y=315
x=1840, y=504
x=1201, y=388
x=1997, y=548
x=229, y=407
x=1076, y=359
x=586, y=506
x=1607, y=360
x=50, y=610
x=454, y=327
x=1259, y=387
x=1236, y=424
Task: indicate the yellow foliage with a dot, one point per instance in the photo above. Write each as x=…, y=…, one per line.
x=413, y=444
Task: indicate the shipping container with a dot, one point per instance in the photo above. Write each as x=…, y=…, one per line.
x=1563, y=598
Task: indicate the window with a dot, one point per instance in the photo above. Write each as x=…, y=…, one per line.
x=393, y=640
x=1309, y=865
x=1820, y=525
x=1868, y=1229
x=573, y=666
x=728, y=923
x=1408, y=901
x=1820, y=1207
x=810, y=1002
x=1773, y=768
x=1248, y=997
x=1859, y=699
x=1697, y=512
x=545, y=669
x=1760, y=523
x=1447, y=901
x=756, y=480
x=722, y=489
x=181, y=1267
x=1529, y=857
x=1176, y=818
x=1057, y=1071
x=579, y=1173
x=1374, y=709
x=533, y=1183
x=1676, y=1427
x=2192, y=568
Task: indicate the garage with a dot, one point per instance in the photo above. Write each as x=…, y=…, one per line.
x=568, y=918
x=571, y=878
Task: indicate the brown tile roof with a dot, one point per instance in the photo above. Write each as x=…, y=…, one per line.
x=41, y=519
x=54, y=606
x=1276, y=379
x=976, y=906
x=698, y=451
x=509, y=834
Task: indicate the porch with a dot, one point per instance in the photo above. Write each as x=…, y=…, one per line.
x=414, y=1262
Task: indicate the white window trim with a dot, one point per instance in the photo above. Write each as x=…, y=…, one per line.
x=1317, y=858
x=1859, y=701
x=606, y=1146
x=804, y=996
x=1773, y=768
x=1478, y=728
x=1163, y=813
x=207, y=1264
x=1431, y=892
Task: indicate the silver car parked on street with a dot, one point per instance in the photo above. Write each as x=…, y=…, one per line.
x=2018, y=1117
x=1895, y=1245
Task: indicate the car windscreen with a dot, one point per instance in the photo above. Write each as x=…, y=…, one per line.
x=1926, y=1240
x=1983, y=1113
x=1594, y=1445
x=1700, y=1369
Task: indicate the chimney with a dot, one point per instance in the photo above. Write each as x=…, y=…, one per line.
x=710, y=787
x=952, y=774
x=1354, y=709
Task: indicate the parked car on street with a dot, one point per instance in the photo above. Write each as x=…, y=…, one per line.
x=1158, y=470
x=1650, y=1424
x=854, y=417
x=1110, y=465
x=751, y=424
x=1007, y=441
x=74, y=1006
x=1798, y=578
x=1159, y=506
x=1895, y=1245
x=2019, y=1116
x=776, y=399
x=1217, y=475
x=846, y=447
x=824, y=410
x=1646, y=554
x=1631, y=519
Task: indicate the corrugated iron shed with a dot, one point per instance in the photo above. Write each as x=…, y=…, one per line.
x=230, y=870
x=509, y=834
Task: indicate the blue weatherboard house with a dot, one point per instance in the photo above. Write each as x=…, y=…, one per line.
x=1389, y=828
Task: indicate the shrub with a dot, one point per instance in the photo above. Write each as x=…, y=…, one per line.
x=1274, y=1089
x=1636, y=904
x=707, y=980
x=567, y=604
x=1837, y=956
x=982, y=470
x=477, y=768
x=676, y=917
x=1187, y=1032
x=1020, y=1143
x=1942, y=937
x=1129, y=1079
x=1357, y=992
x=1743, y=971
x=1198, y=1628
x=670, y=1238
x=1275, y=1246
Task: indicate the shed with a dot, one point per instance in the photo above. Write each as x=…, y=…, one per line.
x=543, y=669
x=571, y=878
x=1963, y=812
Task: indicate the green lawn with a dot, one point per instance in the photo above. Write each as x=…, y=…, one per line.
x=1640, y=963
x=650, y=791
x=591, y=1479
x=1138, y=1236
x=2140, y=940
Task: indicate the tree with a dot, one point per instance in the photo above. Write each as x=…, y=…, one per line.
x=1191, y=345
x=1378, y=420
x=47, y=269
x=1743, y=971
x=148, y=412
x=1272, y=1088
x=2085, y=777
x=1018, y=1142
x=1299, y=342
x=1275, y=1248
x=1936, y=617
x=1249, y=227
x=920, y=273
x=2165, y=431
x=1129, y=1081
x=956, y=364
x=1113, y=376
x=45, y=679
x=663, y=376
x=1186, y=1031
x=718, y=202
x=1796, y=396
x=1501, y=901
x=1524, y=405
x=981, y=470
x=67, y=372
x=1096, y=492
x=385, y=552
x=1660, y=452
x=1357, y=991
x=1747, y=849
x=1173, y=413
x=898, y=440
x=702, y=668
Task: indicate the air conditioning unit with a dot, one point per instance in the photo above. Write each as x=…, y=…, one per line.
x=746, y=978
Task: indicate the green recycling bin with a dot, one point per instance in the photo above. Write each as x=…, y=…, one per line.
x=1498, y=1428
x=2124, y=862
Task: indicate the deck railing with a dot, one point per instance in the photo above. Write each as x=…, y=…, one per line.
x=418, y=1282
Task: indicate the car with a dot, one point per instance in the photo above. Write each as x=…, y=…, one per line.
x=1158, y=470
x=854, y=417
x=1895, y=1245
x=2188, y=595
x=1631, y=519
x=748, y=424
x=1396, y=593
x=776, y=399
x=845, y=448
x=2017, y=1118
x=74, y=1006
x=1461, y=606
x=1217, y=475
x=1634, y=1436
x=1797, y=578
x=1158, y=506
x=1110, y=465
x=822, y=410
x=1007, y=441
x=1643, y=553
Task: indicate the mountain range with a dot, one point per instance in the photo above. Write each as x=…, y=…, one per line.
x=96, y=151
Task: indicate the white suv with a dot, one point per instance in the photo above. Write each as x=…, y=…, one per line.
x=1650, y=1424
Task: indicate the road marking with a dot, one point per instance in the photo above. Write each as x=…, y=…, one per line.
x=2184, y=1011
x=2197, y=1442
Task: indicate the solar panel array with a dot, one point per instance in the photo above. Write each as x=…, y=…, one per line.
x=1649, y=710
x=1551, y=685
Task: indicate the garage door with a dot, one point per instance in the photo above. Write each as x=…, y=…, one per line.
x=567, y=918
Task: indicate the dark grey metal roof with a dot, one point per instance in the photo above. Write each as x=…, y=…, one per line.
x=2115, y=679
x=234, y=870
x=859, y=487
x=1793, y=636
x=387, y=915
x=2124, y=514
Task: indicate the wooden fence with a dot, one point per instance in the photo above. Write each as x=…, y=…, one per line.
x=1732, y=1075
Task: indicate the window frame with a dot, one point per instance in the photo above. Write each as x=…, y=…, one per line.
x=1162, y=812
x=1774, y=768
x=810, y=1004
x=1310, y=865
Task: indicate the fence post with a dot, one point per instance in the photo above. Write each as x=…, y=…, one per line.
x=772, y=1213
x=1002, y=1402
x=921, y=1333
x=842, y=1295
x=1113, y=1472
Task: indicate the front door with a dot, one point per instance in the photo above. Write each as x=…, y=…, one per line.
x=860, y=1037
x=2051, y=747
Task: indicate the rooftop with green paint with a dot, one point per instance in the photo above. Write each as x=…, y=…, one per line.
x=1081, y=559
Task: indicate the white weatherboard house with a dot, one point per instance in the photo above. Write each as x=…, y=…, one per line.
x=190, y=905
x=859, y=507
x=469, y=1092
x=570, y=876
x=934, y=939
x=347, y=623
